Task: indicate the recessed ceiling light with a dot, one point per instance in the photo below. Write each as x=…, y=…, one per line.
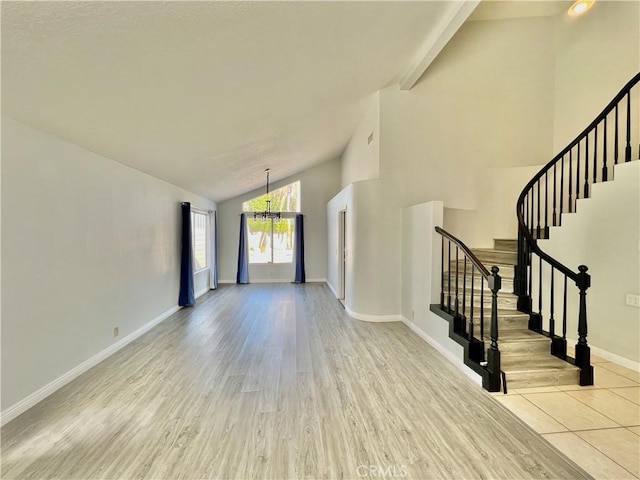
x=579, y=7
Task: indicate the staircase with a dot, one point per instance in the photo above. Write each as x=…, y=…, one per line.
x=519, y=340
x=526, y=360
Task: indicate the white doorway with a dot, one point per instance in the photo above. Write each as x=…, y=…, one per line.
x=342, y=255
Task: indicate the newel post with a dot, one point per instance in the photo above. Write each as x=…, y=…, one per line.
x=583, y=352
x=493, y=354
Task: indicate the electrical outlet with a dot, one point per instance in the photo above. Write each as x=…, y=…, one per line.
x=116, y=331
x=633, y=300
x=413, y=315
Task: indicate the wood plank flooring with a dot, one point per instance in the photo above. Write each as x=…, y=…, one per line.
x=274, y=381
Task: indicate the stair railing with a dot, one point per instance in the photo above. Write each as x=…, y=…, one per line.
x=553, y=191
x=457, y=298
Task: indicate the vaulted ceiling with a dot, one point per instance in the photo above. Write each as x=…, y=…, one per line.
x=206, y=95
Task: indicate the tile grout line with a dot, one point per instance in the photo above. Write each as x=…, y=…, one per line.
x=603, y=414
x=614, y=461
x=545, y=413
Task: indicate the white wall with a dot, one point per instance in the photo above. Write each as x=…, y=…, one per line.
x=87, y=245
x=361, y=159
x=317, y=186
x=421, y=257
x=466, y=114
x=372, y=290
x=596, y=54
x=604, y=234
x=376, y=256
x=486, y=101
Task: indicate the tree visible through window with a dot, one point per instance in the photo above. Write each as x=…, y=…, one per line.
x=271, y=241
x=199, y=240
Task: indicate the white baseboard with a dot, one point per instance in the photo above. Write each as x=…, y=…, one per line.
x=333, y=290
x=277, y=280
x=202, y=292
x=612, y=357
x=458, y=362
x=373, y=318
x=26, y=403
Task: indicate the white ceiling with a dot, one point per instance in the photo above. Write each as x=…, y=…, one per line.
x=206, y=95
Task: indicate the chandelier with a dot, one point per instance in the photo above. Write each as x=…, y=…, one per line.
x=267, y=214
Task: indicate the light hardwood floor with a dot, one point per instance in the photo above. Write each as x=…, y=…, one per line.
x=275, y=381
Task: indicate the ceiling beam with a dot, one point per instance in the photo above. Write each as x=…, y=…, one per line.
x=456, y=15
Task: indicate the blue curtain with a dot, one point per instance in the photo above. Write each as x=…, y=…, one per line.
x=214, y=252
x=243, y=254
x=299, y=229
x=187, y=297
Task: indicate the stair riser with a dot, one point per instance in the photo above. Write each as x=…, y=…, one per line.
x=507, y=284
x=506, y=270
x=506, y=245
x=524, y=348
x=542, y=379
x=507, y=303
x=511, y=323
x=489, y=258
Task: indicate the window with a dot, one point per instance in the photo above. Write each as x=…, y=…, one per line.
x=271, y=241
x=199, y=239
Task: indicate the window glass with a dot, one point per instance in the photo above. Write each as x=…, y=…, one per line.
x=199, y=239
x=285, y=199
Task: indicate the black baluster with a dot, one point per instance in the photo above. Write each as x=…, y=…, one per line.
x=473, y=272
x=449, y=279
x=530, y=264
x=552, y=320
x=627, y=150
x=546, y=205
x=457, y=275
x=569, y=203
x=577, y=178
x=540, y=290
x=464, y=288
x=604, y=152
x=564, y=312
x=561, y=190
x=482, y=309
x=586, y=166
x=595, y=154
x=583, y=352
x=559, y=345
x=531, y=227
x=442, y=274
x=554, y=219
x=538, y=224
x=615, y=139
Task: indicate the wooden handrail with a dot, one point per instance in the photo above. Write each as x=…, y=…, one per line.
x=474, y=260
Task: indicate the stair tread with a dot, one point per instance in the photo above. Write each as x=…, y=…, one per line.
x=522, y=335
x=534, y=363
x=491, y=250
x=511, y=313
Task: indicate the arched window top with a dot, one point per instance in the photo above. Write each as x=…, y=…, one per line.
x=284, y=199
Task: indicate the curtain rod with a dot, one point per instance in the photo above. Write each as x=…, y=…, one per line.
x=198, y=210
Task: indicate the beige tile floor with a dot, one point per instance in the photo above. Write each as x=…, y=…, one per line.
x=597, y=427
